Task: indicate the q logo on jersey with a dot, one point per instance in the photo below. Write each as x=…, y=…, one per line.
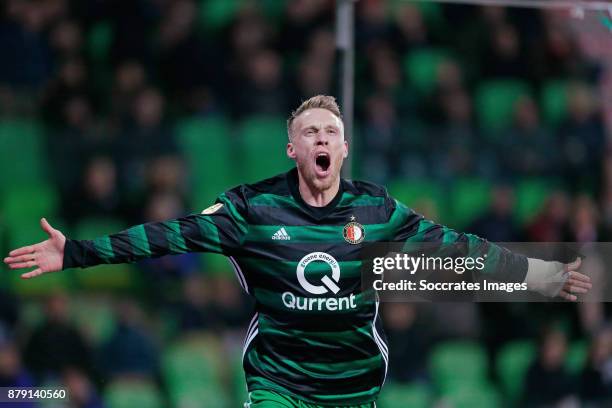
x=295, y=302
x=328, y=284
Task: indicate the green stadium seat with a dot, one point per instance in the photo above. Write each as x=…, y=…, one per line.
x=31, y=314
x=216, y=264
x=457, y=363
x=104, y=277
x=203, y=396
x=531, y=195
x=418, y=194
x=90, y=228
x=42, y=285
x=95, y=317
x=28, y=204
x=576, y=357
x=421, y=67
x=215, y=14
x=274, y=9
x=263, y=140
x=130, y=394
x=191, y=363
x=511, y=364
x=208, y=146
x=21, y=158
x=194, y=372
x=396, y=395
x=99, y=40
x=482, y=395
x=469, y=198
x=553, y=99
x=4, y=248
x=495, y=102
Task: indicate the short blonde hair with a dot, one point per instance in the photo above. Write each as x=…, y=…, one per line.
x=319, y=101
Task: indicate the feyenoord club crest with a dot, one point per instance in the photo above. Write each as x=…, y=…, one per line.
x=353, y=232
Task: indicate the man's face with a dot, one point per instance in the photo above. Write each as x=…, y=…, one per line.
x=318, y=147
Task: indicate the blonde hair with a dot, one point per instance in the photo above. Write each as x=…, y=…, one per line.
x=319, y=101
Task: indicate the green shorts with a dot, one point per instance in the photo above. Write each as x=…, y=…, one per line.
x=271, y=399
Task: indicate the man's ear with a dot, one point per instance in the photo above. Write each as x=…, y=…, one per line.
x=345, y=154
x=290, y=151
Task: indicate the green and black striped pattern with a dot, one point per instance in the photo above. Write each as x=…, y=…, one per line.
x=318, y=338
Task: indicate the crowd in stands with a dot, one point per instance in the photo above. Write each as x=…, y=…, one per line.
x=489, y=95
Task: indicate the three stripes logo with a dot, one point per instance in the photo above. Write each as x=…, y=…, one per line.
x=281, y=235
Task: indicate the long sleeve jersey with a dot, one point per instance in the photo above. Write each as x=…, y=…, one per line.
x=314, y=334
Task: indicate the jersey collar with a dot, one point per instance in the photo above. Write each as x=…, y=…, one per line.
x=315, y=212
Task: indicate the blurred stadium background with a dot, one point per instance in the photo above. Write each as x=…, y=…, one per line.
x=487, y=119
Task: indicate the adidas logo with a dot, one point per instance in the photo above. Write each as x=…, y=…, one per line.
x=281, y=234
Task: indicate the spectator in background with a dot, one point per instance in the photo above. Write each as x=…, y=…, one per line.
x=316, y=70
x=381, y=135
x=56, y=344
x=66, y=40
x=233, y=311
x=385, y=78
x=145, y=137
x=301, y=19
x=527, y=149
x=314, y=77
x=372, y=25
x=130, y=351
x=133, y=24
x=409, y=31
x=214, y=303
x=548, y=225
x=12, y=373
x=248, y=35
x=596, y=379
x=497, y=224
x=71, y=82
x=583, y=140
x=263, y=90
x=408, y=342
x=26, y=56
x=462, y=152
x=185, y=58
x=98, y=195
x=555, y=54
x=322, y=45
x=194, y=310
x=449, y=83
x=606, y=200
x=70, y=150
x=9, y=313
x=547, y=382
x=167, y=175
x=130, y=79
x=474, y=36
x=583, y=226
x=504, y=56
x=81, y=392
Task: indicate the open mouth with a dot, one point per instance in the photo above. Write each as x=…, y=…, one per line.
x=322, y=162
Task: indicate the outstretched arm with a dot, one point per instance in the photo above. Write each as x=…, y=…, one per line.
x=547, y=278
x=219, y=229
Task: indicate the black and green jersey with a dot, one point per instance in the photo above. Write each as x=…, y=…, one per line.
x=314, y=334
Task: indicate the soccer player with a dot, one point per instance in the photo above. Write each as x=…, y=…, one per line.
x=315, y=338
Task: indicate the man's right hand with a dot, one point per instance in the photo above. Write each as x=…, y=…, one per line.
x=46, y=256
